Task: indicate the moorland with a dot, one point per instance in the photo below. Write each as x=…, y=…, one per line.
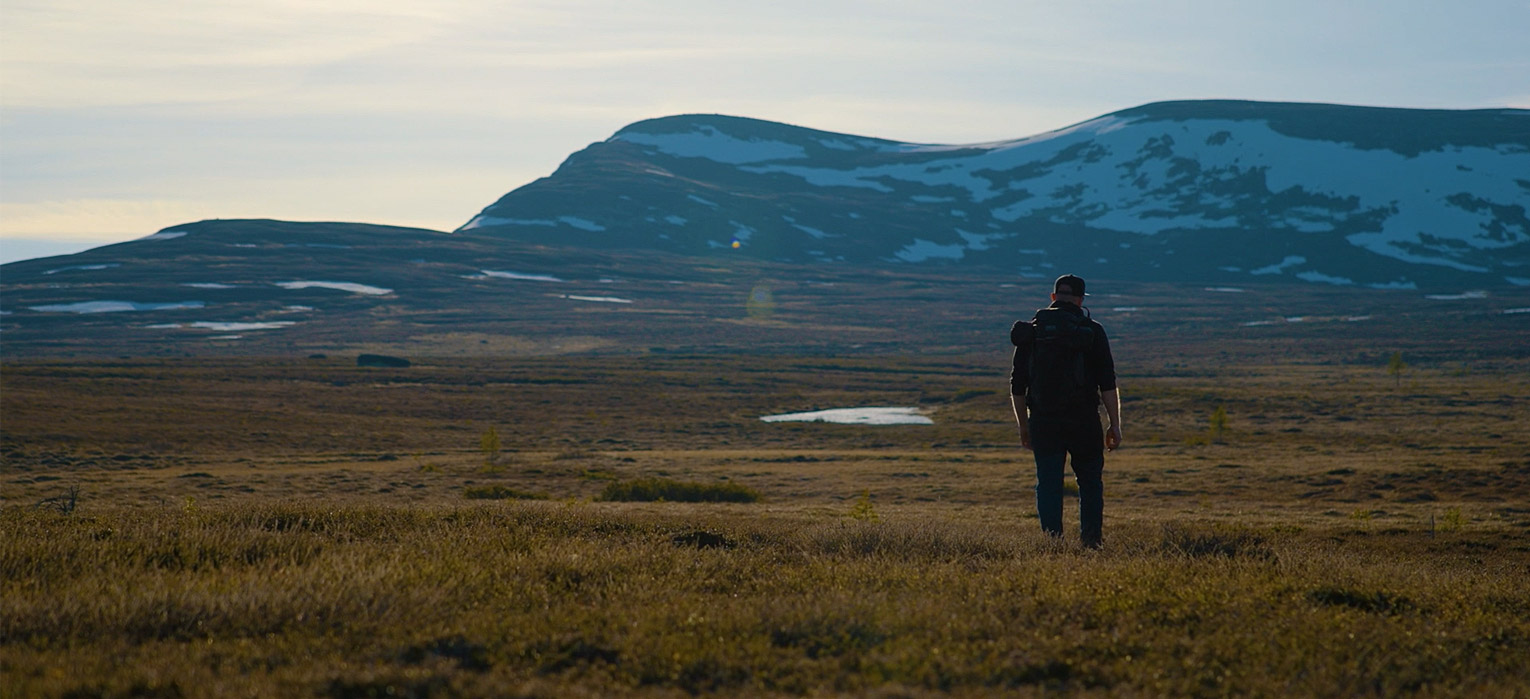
x=302, y=526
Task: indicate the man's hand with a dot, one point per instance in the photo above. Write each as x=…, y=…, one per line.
x=1113, y=438
x=1025, y=435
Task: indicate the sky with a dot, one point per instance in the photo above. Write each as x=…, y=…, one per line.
x=120, y=119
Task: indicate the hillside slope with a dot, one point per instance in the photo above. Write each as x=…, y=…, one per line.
x=1215, y=192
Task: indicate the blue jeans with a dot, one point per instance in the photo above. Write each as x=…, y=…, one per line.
x=1054, y=437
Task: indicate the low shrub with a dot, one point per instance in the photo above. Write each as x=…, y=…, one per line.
x=499, y=492
x=655, y=489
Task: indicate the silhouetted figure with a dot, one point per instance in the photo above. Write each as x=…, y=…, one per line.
x=1062, y=372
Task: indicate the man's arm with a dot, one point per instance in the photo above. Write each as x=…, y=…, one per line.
x=1018, y=385
x=1112, y=399
x=1018, y=403
x=1110, y=395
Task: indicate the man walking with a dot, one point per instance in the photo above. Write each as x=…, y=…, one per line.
x=1062, y=372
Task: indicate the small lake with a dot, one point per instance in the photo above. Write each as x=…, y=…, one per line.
x=856, y=416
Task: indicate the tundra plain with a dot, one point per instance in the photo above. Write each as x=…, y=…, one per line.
x=259, y=526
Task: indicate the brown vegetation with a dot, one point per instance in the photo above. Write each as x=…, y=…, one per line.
x=282, y=527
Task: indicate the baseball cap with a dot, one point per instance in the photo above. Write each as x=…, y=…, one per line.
x=1070, y=285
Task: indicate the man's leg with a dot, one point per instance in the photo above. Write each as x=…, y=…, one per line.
x=1091, y=501
x=1086, y=442
x=1050, y=453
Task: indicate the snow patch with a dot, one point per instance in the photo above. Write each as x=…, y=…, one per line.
x=581, y=224
x=1513, y=311
x=597, y=299
x=676, y=220
x=856, y=416
x=820, y=235
x=1324, y=278
x=741, y=232
x=481, y=221
x=208, y=285
x=352, y=287
x=115, y=306
x=1517, y=281
x=502, y=274
x=921, y=250
x=235, y=327
x=836, y=144
x=1225, y=289
x=1278, y=267
x=1463, y=296
x=701, y=201
x=980, y=241
x=1106, y=176
x=164, y=235
x=82, y=268
x=709, y=143
x=225, y=327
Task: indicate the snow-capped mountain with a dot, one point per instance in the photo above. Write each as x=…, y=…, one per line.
x=1211, y=191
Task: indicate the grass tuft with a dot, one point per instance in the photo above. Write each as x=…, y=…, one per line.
x=656, y=489
x=1379, y=602
x=1225, y=542
x=499, y=492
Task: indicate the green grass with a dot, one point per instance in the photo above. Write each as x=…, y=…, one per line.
x=591, y=599
x=666, y=490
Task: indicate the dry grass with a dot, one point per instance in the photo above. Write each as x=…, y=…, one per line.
x=302, y=528
x=528, y=598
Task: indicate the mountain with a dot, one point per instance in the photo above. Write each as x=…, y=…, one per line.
x=1206, y=191
x=1202, y=226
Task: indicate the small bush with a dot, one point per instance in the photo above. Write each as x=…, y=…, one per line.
x=1452, y=520
x=863, y=509
x=655, y=489
x=499, y=492
x=490, y=445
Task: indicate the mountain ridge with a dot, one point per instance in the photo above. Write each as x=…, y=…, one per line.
x=1214, y=179
x=728, y=234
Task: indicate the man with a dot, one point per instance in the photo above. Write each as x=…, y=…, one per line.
x=1062, y=372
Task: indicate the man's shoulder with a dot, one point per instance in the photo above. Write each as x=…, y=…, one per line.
x=1099, y=329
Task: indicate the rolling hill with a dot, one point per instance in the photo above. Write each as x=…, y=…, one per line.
x=1226, y=221
x=1213, y=191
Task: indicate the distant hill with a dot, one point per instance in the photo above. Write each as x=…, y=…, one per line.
x=709, y=233
x=1209, y=191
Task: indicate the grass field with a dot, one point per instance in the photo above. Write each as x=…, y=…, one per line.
x=281, y=527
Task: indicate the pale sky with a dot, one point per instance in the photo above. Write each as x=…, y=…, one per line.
x=118, y=119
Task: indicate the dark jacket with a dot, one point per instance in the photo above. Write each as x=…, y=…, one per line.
x=1102, y=367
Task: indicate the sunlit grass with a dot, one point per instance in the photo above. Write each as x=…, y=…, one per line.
x=497, y=599
x=274, y=529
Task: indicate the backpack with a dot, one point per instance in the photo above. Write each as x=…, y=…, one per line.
x=1059, y=378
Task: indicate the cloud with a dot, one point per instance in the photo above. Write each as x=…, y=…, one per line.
x=86, y=52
